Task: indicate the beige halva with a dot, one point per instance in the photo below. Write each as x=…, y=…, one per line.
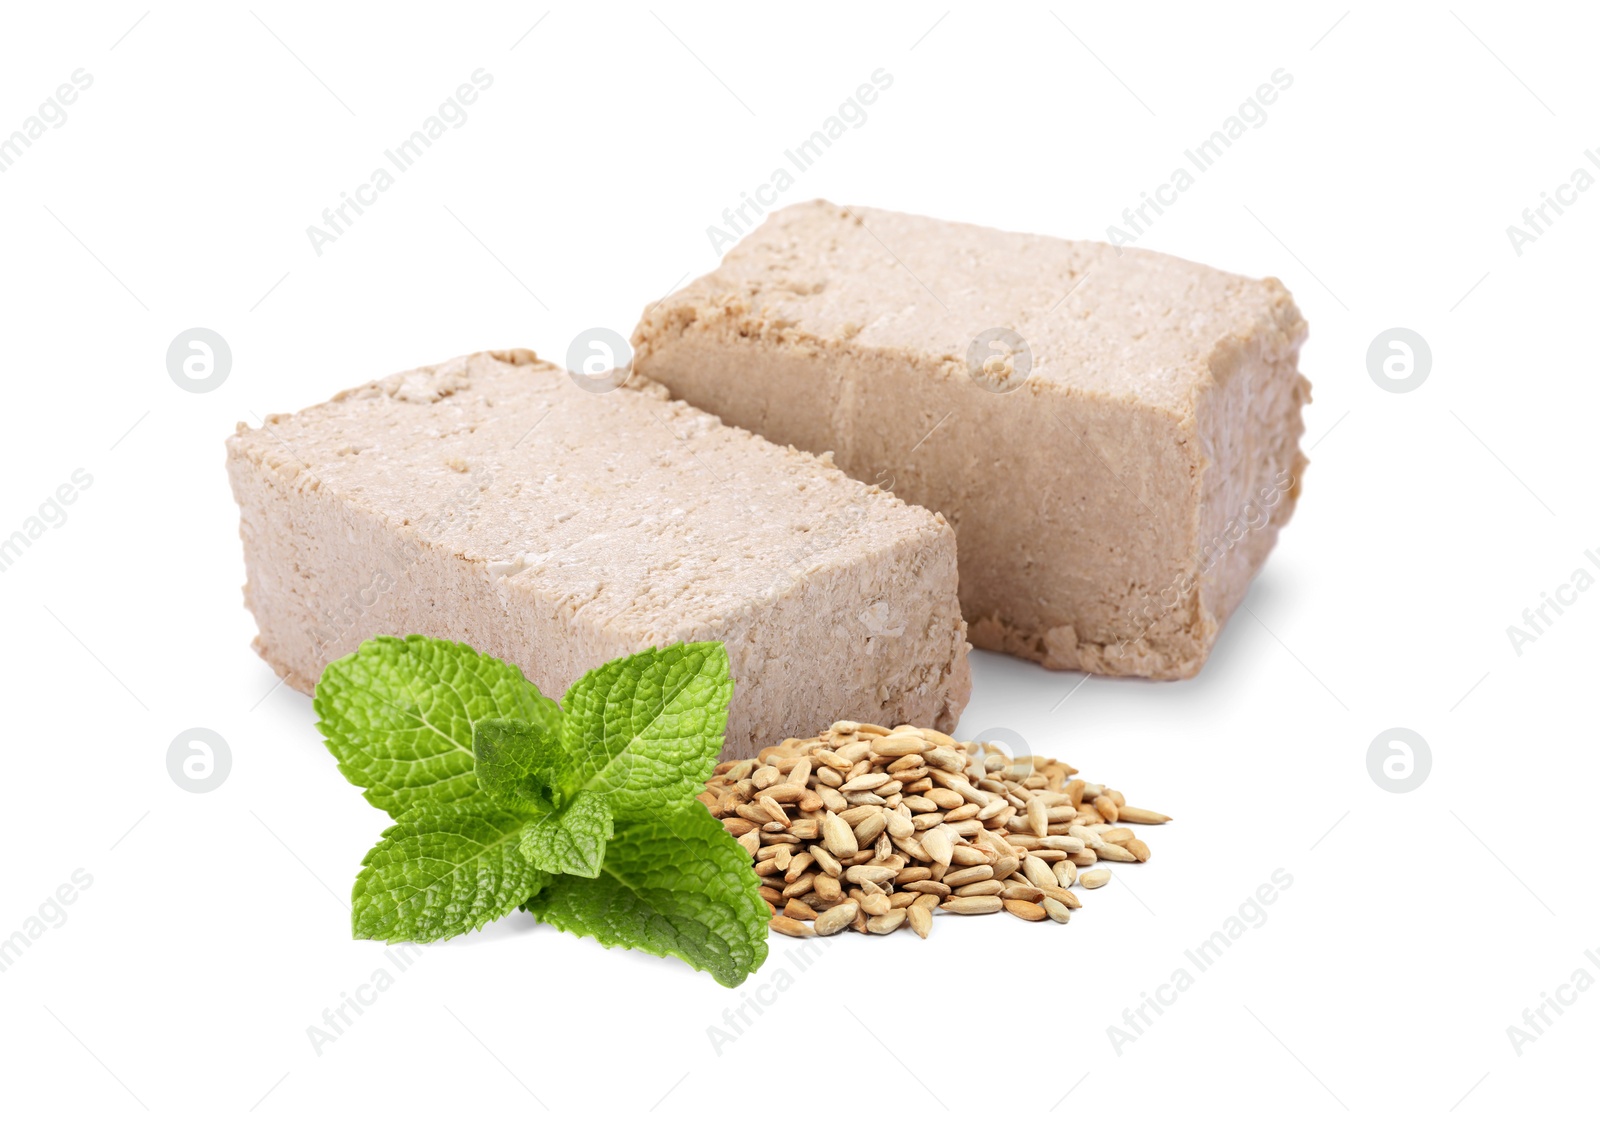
x=1115, y=454
x=1111, y=506
x=491, y=501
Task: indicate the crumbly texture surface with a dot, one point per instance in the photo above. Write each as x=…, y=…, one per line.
x=492, y=501
x=1111, y=508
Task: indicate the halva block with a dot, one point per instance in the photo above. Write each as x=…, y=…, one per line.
x=1113, y=433
x=493, y=501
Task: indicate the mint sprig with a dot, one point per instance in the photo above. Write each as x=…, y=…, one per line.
x=582, y=813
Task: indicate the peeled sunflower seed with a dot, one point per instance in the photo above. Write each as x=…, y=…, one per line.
x=1111, y=852
x=971, y=906
x=938, y=845
x=873, y=904
x=888, y=922
x=1035, y=870
x=788, y=926
x=837, y=836
x=990, y=888
x=967, y=875
x=836, y=919
x=1027, y=910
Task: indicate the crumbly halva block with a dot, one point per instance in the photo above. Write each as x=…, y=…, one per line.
x=492, y=501
x=1113, y=433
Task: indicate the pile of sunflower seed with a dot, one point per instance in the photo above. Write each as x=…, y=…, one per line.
x=876, y=829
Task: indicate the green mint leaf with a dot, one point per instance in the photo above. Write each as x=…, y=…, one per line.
x=678, y=885
x=398, y=716
x=645, y=730
x=573, y=841
x=515, y=760
x=441, y=870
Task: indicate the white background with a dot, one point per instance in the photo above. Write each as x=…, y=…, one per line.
x=1418, y=926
